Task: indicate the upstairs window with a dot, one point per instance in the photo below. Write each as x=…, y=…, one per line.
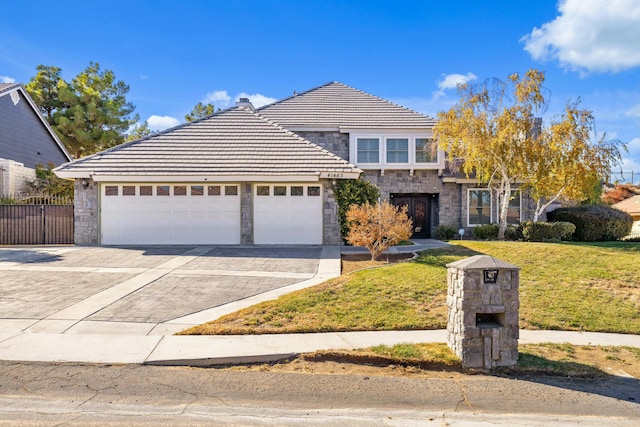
x=425, y=151
x=368, y=150
x=397, y=150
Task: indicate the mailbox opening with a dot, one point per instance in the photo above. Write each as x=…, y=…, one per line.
x=489, y=320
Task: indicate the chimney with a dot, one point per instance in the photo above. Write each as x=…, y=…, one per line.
x=245, y=103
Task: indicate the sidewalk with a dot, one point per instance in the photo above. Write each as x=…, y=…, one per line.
x=48, y=340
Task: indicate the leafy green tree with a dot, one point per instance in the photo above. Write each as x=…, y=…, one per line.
x=139, y=131
x=43, y=89
x=200, y=110
x=90, y=113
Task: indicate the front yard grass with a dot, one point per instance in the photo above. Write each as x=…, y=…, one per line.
x=566, y=286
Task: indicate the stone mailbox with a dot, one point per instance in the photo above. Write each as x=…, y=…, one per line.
x=483, y=304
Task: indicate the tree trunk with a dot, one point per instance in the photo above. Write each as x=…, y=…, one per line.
x=503, y=206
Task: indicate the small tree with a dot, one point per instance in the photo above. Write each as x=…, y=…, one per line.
x=200, y=110
x=378, y=227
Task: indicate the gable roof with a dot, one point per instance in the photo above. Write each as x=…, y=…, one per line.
x=337, y=106
x=8, y=89
x=235, y=143
x=630, y=205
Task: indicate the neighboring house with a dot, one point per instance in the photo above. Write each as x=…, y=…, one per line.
x=26, y=140
x=245, y=176
x=632, y=207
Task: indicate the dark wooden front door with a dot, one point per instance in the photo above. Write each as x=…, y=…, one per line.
x=419, y=210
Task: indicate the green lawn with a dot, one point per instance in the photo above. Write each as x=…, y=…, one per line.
x=590, y=287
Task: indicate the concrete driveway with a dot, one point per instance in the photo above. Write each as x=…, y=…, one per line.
x=147, y=290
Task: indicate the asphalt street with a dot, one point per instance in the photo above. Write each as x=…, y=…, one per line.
x=46, y=394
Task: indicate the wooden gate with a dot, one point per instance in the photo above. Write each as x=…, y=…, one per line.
x=37, y=224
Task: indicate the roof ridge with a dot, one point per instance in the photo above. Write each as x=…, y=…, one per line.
x=295, y=95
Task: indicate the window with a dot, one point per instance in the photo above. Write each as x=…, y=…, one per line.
x=397, y=150
x=162, y=190
x=197, y=190
x=297, y=190
x=230, y=190
x=262, y=190
x=111, y=190
x=425, y=151
x=313, y=191
x=128, y=190
x=279, y=190
x=213, y=190
x=368, y=150
x=179, y=190
x=479, y=204
x=513, y=213
x=146, y=190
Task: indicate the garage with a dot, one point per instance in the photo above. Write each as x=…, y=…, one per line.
x=196, y=213
x=287, y=214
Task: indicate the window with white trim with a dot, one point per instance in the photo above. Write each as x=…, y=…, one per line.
x=368, y=150
x=397, y=150
x=479, y=207
x=426, y=151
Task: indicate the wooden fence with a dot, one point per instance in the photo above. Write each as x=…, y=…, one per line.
x=36, y=224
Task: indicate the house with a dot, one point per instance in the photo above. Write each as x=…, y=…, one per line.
x=26, y=140
x=266, y=176
x=632, y=207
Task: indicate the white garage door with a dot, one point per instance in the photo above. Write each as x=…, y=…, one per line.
x=287, y=214
x=170, y=214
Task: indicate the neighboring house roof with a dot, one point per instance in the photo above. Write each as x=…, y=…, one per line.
x=25, y=136
x=336, y=106
x=630, y=206
x=236, y=142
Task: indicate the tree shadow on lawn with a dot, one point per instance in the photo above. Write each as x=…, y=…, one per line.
x=440, y=257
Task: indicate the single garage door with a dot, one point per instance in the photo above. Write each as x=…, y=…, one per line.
x=287, y=214
x=205, y=213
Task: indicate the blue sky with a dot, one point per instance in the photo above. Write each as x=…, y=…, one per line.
x=174, y=54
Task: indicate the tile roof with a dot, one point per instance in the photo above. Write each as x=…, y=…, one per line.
x=630, y=205
x=8, y=87
x=233, y=142
x=336, y=105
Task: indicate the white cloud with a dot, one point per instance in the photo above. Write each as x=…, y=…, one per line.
x=219, y=98
x=589, y=35
x=257, y=100
x=5, y=79
x=633, y=112
x=162, y=122
x=451, y=81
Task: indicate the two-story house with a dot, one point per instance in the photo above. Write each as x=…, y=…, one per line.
x=266, y=176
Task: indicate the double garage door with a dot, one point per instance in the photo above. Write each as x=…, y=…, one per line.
x=207, y=213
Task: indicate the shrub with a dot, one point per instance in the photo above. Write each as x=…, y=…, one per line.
x=350, y=192
x=594, y=223
x=563, y=230
x=445, y=232
x=512, y=233
x=486, y=232
x=378, y=227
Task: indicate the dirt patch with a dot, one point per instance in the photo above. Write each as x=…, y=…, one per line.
x=354, y=262
x=619, y=361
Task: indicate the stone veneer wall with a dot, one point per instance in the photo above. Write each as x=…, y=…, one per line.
x=330, y=221
x=246, y=213
x=14, y=176
x=492, y=344
x=447, y=208
x=86, y=213
x=335, y=142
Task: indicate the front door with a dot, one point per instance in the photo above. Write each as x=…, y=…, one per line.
x=418, y=209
